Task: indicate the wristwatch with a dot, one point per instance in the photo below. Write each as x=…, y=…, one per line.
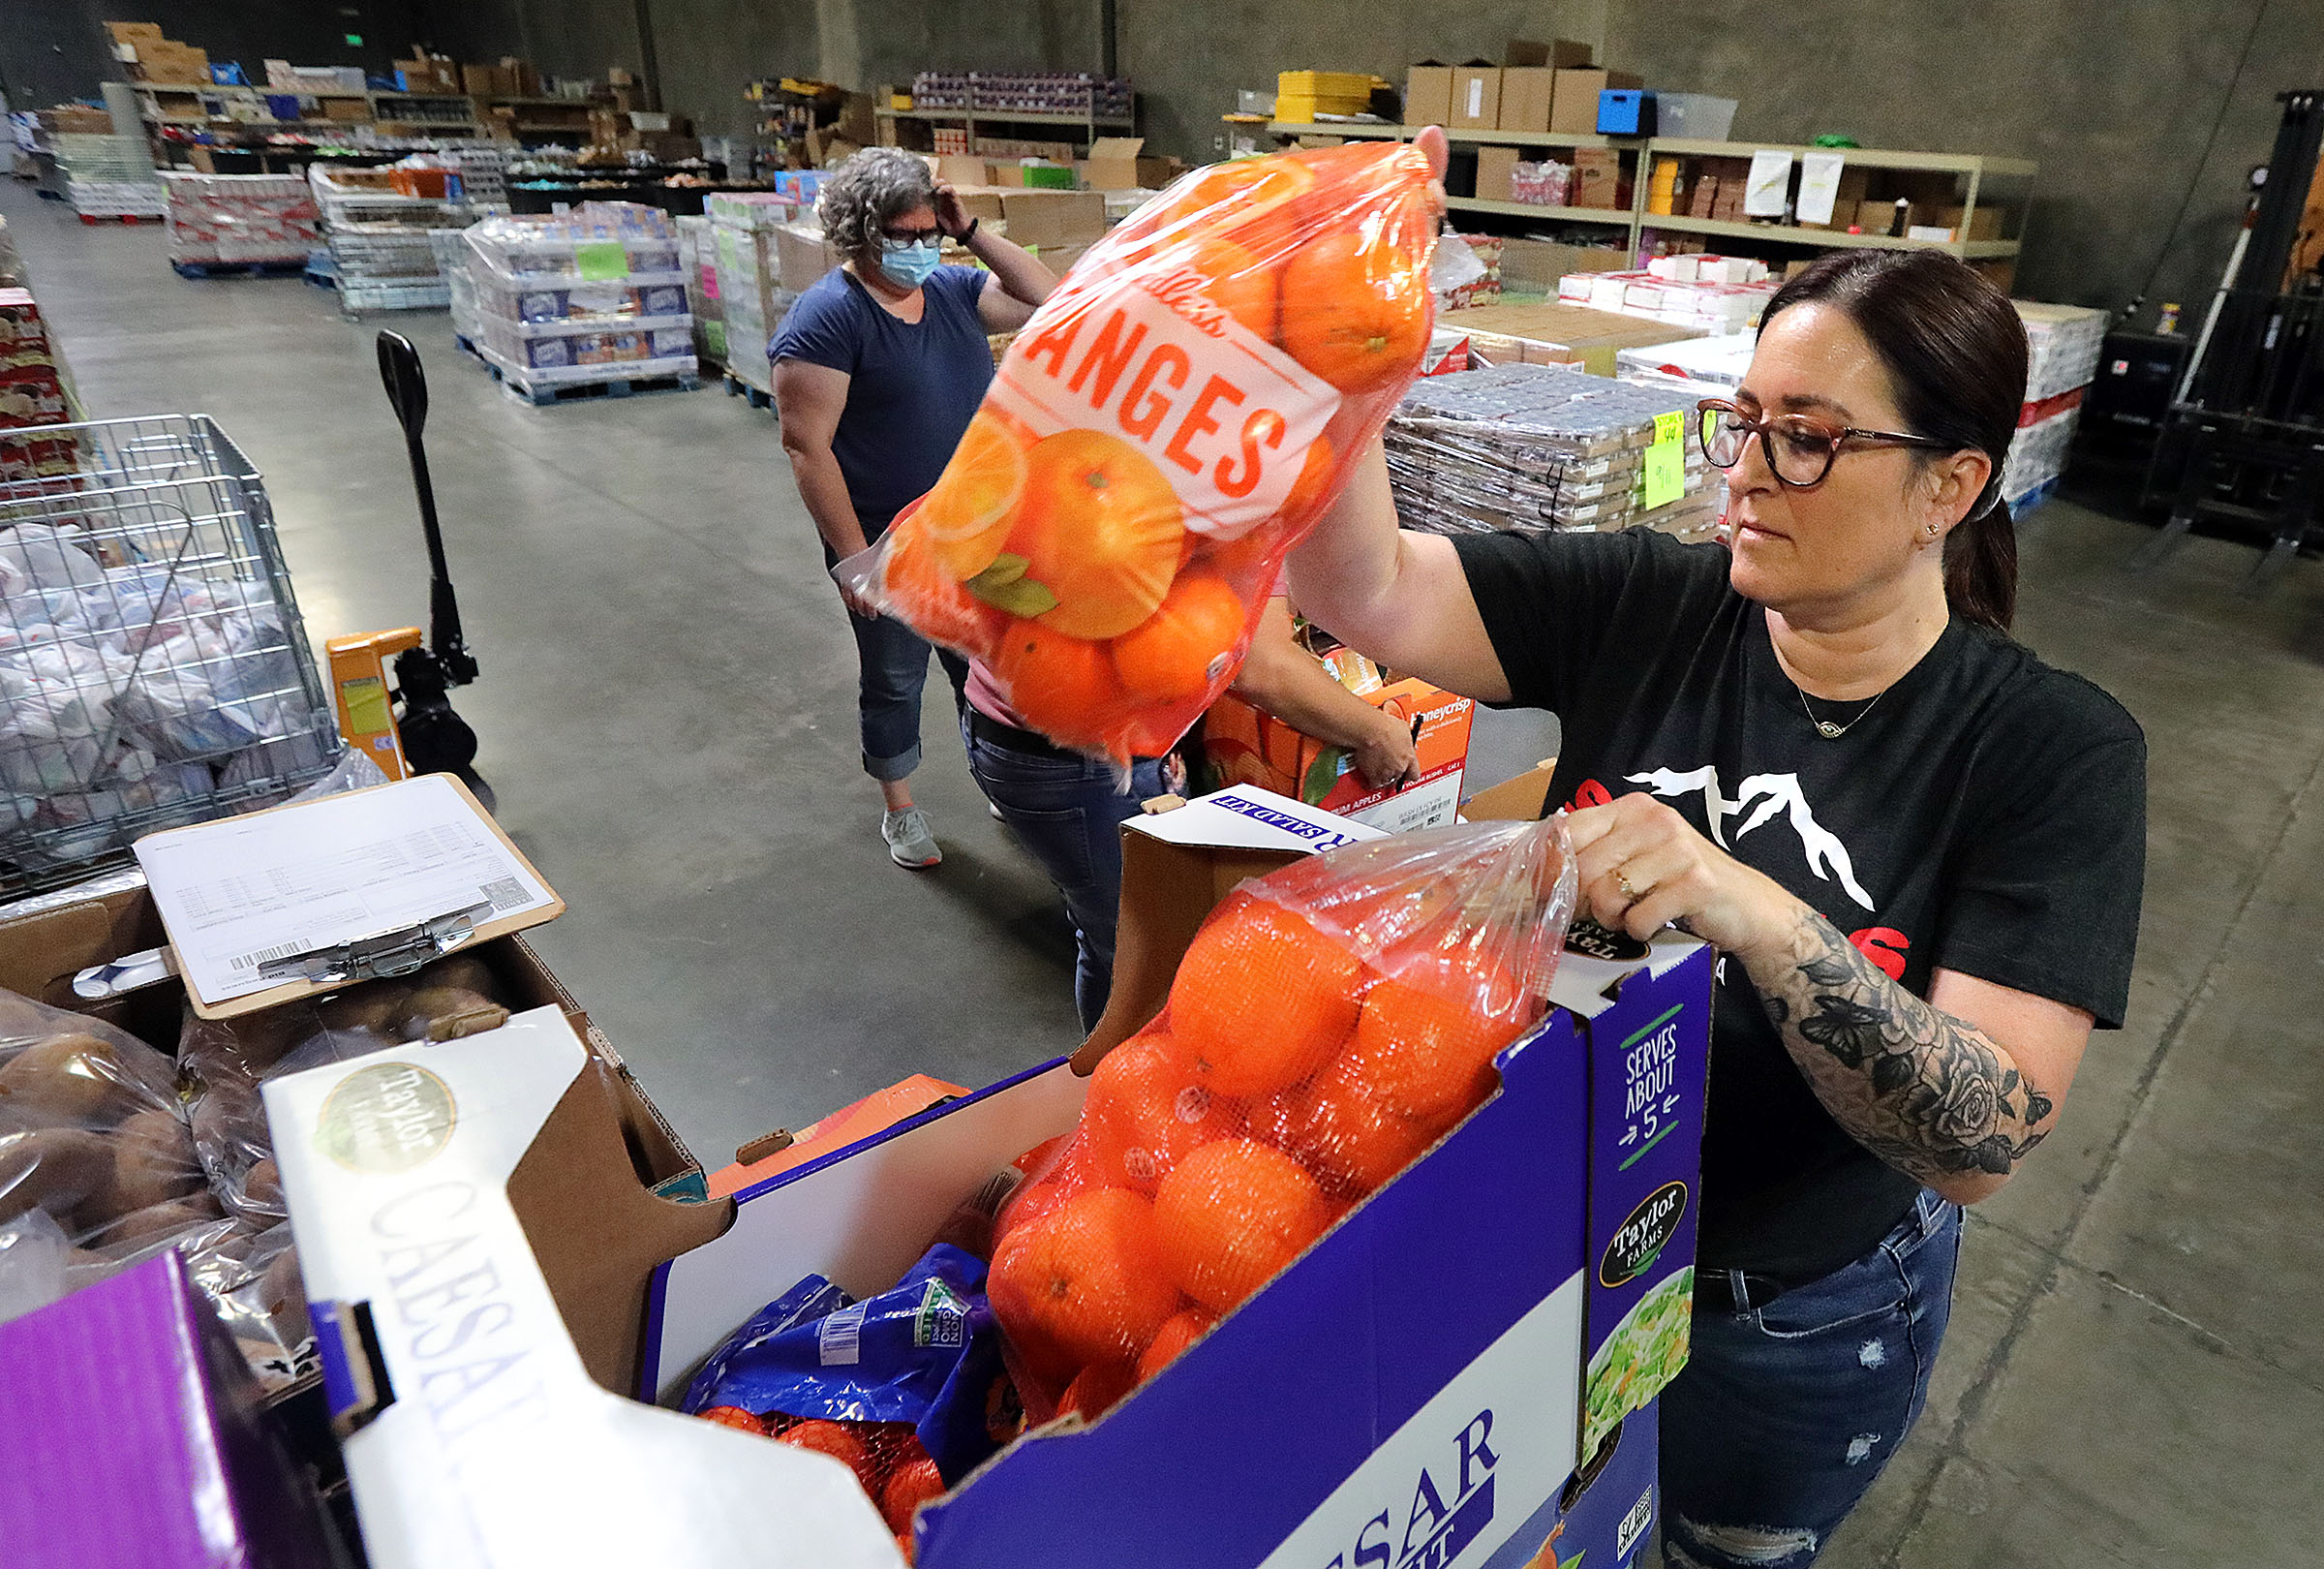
x=968, y=234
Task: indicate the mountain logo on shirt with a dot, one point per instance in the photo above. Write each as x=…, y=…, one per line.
x=1766, y=794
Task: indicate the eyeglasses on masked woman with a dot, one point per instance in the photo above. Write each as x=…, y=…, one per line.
x=1800, y=450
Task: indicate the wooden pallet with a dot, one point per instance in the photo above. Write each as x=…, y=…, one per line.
x=120, y=217
x=240, y=270
x=542, y=394
x=737, y=388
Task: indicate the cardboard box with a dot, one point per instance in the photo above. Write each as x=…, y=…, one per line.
x=1469, y=1396
x=1596, y=177
x=1558, y=54
x=1877, y=217
x=1538, y=264
x=1593, y=336
x=802, y=255
x=1118, y=163
x=1495, y=166
x=1526, y=94
x=1053, y=218
x=1244, y=745
x=959, y=170
x=1429, y=94
x=1476, y=97
x=1573, y=106
x=135, y=32
x=129, y=1424
x=1984, y=224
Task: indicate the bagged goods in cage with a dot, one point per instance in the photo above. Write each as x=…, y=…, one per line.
x=1327, y=1025
x=1162, y=432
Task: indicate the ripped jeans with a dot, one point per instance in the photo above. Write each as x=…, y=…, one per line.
x=1787, y=1411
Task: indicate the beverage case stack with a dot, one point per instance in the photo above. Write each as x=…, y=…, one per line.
x=2064, y=343
x=1539, y=447
x=750, y=235
x=1710, y=294
x=109, y=177
x=590, y=295
x=377, y=231
x=240, y=218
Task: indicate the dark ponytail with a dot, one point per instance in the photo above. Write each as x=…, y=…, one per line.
x=1956, y=356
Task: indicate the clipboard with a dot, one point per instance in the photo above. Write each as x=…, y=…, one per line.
x=316, y=877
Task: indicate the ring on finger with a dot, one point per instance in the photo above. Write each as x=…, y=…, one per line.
x=1622, y=881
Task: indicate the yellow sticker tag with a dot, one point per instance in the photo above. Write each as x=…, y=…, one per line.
x=1666, y=463
x=367, y=710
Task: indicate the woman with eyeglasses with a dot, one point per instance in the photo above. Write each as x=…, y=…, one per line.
x=1919, y=848
x=877, y=369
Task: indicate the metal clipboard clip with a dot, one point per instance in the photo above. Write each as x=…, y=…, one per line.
x=397, y=952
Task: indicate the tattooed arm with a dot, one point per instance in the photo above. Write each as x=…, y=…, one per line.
x=1954, y=1090
x=1939, y=1097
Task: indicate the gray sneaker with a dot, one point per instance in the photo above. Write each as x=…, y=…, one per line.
x=910, y=840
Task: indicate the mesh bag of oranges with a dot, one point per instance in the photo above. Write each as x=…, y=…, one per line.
x=1161, y=433
x=1328, y=1024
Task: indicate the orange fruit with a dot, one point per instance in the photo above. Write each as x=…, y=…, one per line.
x=1239, y=193
x=1240, y=284
x=1064, y=687
x=1174, y=1338
x=1355, y=309
x=914, y=1481
x=1185, y=645
x=1097, y=1388
x=1427, y=1033
x=926, y=595
x=1098, y=530
x=1085, y=1282
x=1229, y=1215
x=1261, y=999
x=1144, y=1111
x=840, y=1443
x=966, y=516
x=1341, y=1128
x=732, y=1416
x=1046, y=1190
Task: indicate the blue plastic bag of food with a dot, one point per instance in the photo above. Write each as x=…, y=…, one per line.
x=926, y=1352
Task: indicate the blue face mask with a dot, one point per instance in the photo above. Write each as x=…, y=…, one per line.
x=907, y=263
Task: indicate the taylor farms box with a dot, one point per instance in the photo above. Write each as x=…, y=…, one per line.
x=1420, y=1388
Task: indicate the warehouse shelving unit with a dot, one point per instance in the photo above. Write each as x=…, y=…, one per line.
x=1092, y=126
x=1981, y=174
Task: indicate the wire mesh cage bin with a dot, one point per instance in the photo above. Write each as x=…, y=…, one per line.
x=154, y=669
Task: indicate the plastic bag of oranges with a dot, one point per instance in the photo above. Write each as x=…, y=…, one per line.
x=1327, y=1025
x=1161, y=433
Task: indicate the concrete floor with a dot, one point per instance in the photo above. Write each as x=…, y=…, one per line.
x=2135, y=1371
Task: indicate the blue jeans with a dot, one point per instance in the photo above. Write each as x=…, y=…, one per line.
x=1787, y=1409
x=1067, y=812
x=892, y=663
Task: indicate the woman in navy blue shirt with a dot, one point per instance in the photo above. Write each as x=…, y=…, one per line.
x=877, y=369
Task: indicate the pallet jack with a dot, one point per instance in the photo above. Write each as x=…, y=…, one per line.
x=410, y=728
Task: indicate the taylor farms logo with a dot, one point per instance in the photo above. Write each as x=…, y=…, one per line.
x=386, y=1118
x=1641, y=1236
x=1445, y=1510
x=1592, y=941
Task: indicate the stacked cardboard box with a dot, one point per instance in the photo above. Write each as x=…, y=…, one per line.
x=1701, y=367
x=1556, y=332
x=752, y=238
x=240, y=216
x=2064, y=342
x=1541, y=448
x=150, y=56
x=35, y=389
x=1712, y=293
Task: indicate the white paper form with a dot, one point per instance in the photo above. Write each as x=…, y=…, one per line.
x=1769, y=182
x=238, y=893
x=1818, y=185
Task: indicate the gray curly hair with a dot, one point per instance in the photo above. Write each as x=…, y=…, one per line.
x=873, y=189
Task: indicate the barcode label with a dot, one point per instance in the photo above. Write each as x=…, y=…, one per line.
x=505, y=894
x=268, y=956
x=839, y=1340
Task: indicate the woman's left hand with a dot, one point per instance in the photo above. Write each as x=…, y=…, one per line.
x=1642, y=866
x=951, y=216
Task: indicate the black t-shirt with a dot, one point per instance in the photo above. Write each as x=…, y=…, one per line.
x=1986, y=815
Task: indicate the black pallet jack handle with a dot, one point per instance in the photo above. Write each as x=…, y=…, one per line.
x=408, y=392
